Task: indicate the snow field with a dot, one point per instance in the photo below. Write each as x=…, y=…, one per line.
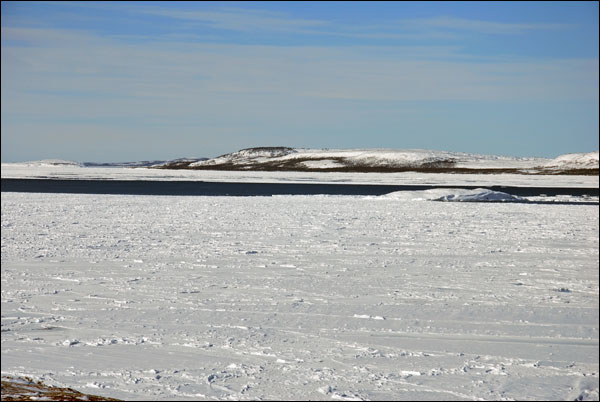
x=300, y=297
x=28, y=171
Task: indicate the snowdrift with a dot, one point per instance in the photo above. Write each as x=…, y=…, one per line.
x=455, y=195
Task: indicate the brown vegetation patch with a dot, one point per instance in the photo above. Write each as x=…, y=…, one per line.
x=26, y=389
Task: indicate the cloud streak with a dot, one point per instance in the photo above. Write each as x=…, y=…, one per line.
x=255, y=20
x=480, y=26
x=172, y=71
x=237, y=19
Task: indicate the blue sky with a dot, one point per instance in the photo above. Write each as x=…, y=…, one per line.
x=122, y=81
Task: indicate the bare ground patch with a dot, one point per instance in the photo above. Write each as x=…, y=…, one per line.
x=26, y=389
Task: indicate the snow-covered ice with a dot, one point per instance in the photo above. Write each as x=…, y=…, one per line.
x=31, y=171
x=301, y=297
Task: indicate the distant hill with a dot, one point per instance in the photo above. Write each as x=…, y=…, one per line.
x=386, y=160
x=60, y=162
x=51, y=162
x=360, y=160
x=574, y=161
x=143, y=163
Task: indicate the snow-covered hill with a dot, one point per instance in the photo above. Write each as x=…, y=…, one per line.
x=574, y=161
x=386, y=160
x=143, y=163
x=299, y=158
x=287, y=159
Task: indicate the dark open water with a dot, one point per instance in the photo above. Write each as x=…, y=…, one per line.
x=143, y=187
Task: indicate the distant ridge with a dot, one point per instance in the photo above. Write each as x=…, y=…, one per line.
x=60, y=162
x=143, y=163
x=386, y=160
x=52, y=162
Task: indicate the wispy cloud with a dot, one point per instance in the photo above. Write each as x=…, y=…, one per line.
x=254, y=20
x=191, y=72
x=243, y=19
x=486, y=27
x=45, y=36
x=237, y=19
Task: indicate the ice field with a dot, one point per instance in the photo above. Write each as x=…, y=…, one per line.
x=35, y=170
x=301, y=297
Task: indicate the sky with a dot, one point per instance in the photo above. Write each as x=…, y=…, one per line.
x=130, y=81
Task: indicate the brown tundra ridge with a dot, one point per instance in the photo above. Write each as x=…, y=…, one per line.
x=273, y=162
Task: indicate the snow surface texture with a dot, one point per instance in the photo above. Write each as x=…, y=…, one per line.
x=299, y=297
x=25, y=170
